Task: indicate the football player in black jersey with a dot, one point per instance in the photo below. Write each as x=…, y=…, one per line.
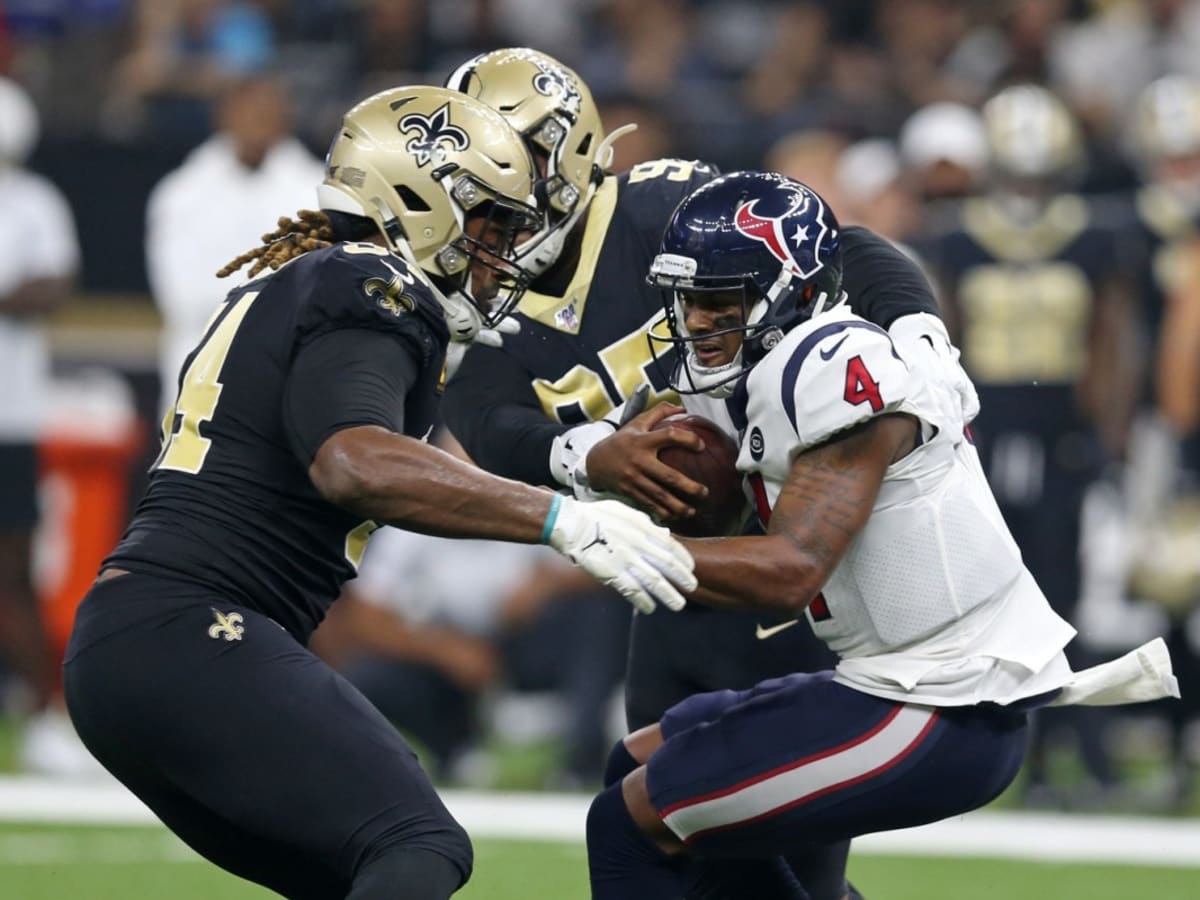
x=1032, y=278
x=297, y=431
x=1162, y=222
x=535, y=408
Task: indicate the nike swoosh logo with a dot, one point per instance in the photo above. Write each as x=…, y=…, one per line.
x=828, y=354
x=763, y=633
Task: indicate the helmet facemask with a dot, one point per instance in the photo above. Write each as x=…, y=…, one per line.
x=493, y=227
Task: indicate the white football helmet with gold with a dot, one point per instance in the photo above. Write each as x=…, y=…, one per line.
x=1032, y=135
x=554, y=111
x=420, y=161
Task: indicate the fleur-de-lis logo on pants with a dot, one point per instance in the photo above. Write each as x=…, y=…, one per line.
x=434, y=135
x=227, y=626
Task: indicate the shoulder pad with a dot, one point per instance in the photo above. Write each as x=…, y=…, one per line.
x=829, y=376
x=363, y=285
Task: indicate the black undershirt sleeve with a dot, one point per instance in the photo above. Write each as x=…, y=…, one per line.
x=345, y=378
x=883, y=283
x=491, y=408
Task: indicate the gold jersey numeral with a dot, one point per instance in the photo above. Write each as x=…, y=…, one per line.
x=184, y=448
x=1025, y=323
x=628, y=362
x=671, y=169
x=356, y=542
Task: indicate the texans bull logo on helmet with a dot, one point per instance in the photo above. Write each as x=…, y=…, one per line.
x=772, y=231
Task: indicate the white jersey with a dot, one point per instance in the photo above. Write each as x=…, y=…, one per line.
x=931, y=602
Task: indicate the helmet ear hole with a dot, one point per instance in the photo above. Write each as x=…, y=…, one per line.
x=412, y=200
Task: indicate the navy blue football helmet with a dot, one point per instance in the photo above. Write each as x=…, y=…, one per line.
x=771, y=238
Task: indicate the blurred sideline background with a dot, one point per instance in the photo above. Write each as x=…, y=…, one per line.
x=1040, y=157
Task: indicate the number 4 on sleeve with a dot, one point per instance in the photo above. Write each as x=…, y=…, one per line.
x=860, y=386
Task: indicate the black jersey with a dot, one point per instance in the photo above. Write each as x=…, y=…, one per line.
x=1023, y=292
x=583, y=351
x=1153, y=224
x=230, y=504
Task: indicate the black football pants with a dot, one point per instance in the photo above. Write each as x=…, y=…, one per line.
x=252, y=750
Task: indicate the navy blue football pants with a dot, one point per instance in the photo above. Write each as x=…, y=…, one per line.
x=699, y=649
x=803, y=758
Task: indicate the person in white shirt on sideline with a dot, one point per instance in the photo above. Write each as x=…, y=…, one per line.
x=251, y=168
x=38, y=265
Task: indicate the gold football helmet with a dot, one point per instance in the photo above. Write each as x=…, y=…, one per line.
x=1166, y=119
x=1031, y=134
x=553, y=110
x=420, y=162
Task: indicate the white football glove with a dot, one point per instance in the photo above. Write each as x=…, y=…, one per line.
x=923, y=337
x=622, y=548
x=569, y=451
x=489, y=337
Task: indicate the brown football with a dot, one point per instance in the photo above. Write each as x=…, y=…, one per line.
x=716, y=468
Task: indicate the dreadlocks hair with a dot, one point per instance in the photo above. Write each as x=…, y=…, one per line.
x=312, y=230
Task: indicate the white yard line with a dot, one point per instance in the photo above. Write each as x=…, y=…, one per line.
x=560, y=817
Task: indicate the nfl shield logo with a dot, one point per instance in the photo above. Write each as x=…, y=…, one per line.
x=566, y=317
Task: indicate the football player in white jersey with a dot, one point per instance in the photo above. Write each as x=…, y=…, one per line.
x=880, y=529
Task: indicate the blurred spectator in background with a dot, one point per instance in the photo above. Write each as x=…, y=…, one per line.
x=810, y=157
x=5, y=45
x=185, y=54
x=39, y=256
x=250, y=169
x=1163, y=476
x=944, y=150
x=431, y=627
x=653, y=139
x=875, y=190
x=1101, y=64
x=1031, y=279
x=1167, y=569
x=62, y=53
x=392, y=45
x=642, y=47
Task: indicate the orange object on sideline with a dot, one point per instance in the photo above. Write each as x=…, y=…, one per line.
x=83, y=484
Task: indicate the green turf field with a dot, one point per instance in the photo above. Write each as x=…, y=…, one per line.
x=78, y=863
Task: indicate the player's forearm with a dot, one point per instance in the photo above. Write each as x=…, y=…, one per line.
x=510, y=440
x=397, y=480
x=760, y=573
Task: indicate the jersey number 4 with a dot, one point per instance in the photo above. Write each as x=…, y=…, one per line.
x=860, y=386
x=184, y=449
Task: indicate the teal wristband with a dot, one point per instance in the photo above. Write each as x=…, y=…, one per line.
x=551, y=518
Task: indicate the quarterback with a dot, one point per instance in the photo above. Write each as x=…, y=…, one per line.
x=880, y=530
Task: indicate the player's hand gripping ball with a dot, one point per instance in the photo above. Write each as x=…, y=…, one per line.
x=715, y=467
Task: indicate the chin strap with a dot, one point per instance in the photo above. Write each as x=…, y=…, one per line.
x=462, y=318
x=604, y=153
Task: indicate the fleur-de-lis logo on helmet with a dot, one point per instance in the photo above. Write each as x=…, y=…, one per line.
x=434, y=135
x=552, y=81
